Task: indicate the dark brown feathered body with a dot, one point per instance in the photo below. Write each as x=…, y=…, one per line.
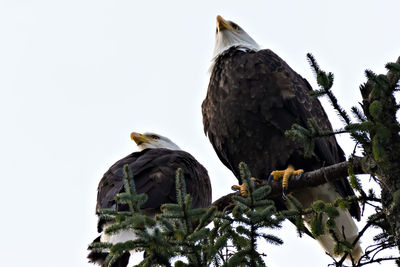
x=154, y=172
x=252, y=99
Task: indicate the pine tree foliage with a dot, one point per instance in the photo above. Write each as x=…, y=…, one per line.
x=185, y=228
x=193, y=237
x=325, y=81
x=322, y=219
x=252, y=214
x=377, y=131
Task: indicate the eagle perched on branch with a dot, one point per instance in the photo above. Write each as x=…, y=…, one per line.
x=154, y=168
x=253, y=97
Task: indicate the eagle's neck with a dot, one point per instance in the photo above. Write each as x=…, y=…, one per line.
x=228, y=50
x=166, y=145
x=225, y=40
x=240, y=47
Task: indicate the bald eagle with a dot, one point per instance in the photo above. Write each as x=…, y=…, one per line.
x=154, y=169
x=253, y=97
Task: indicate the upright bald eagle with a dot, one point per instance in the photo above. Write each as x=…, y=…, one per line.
x=154, y=169
x=253, y=97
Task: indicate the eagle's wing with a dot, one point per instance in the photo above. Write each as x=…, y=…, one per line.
x=301, y=106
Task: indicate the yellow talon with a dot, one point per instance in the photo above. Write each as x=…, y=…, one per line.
x=242, y=188
x=286, y=175
x=277, y=174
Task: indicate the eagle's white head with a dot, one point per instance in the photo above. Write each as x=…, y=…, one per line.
x=230, y=34
x=152, y=140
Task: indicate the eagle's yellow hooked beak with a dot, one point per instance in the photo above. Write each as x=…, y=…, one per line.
x=223, y=24
x=139, y=138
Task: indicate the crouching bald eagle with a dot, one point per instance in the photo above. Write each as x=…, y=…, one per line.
x=253, y=97
x=154, y=169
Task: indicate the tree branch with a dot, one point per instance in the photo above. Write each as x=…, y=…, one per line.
x=308, y=179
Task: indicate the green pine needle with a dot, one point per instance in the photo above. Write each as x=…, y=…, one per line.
x=331, y=211
x=319, y=206
x=393, y=67
x=358, y=114
x=294, y=202
x=272, y=239
x=330, y=223
x=317, y=228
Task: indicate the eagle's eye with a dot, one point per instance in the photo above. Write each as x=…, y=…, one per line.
x=156, y=137
x=235, y=26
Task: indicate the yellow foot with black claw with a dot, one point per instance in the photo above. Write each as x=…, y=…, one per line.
x=285, y=175
x=242, y=188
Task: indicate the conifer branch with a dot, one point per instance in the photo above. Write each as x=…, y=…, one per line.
x=325, y=81
x=308, y=179
x=253, y=213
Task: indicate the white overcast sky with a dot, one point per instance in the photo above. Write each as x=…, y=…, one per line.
x=76, y=77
